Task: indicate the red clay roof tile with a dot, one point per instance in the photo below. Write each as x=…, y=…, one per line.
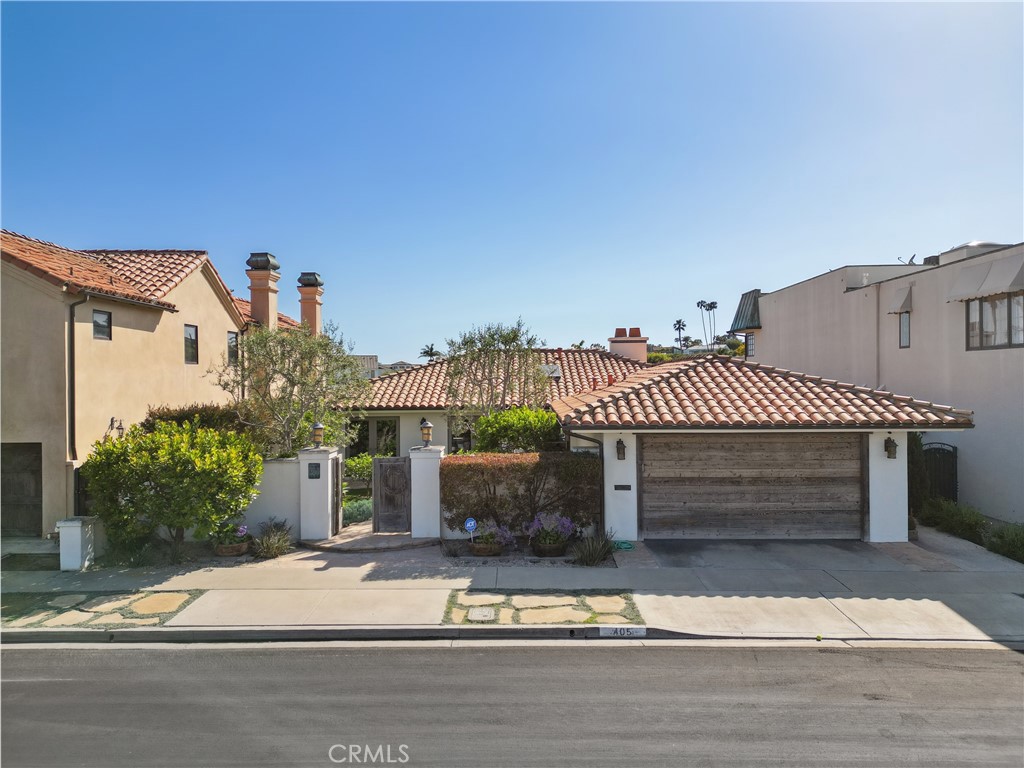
x=715, y=391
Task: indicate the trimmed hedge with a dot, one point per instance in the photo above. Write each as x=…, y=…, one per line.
x=517, y=429
x=510, y=489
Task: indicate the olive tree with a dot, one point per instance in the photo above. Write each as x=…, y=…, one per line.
x=284, y=381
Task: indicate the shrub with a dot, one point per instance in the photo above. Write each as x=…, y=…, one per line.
x=361, y=467
x=209, y=415
x=956, y=519
x=273, y=539
x=517, y=429
x=657, y=358
x=176, y=477
x=512, y=489
x=592, y=550
x=1008, y=541
x=357, y=511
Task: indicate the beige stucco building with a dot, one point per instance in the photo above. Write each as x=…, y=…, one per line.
x=91, y=340
x=950, y=330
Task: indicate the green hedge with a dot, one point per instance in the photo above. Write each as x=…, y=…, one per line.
x=510, y=489
x=516, y=429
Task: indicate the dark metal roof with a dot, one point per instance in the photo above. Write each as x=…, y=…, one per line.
x=748, y=315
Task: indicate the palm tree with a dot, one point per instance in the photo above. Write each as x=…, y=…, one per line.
x=430, y=352
x=709, y=307
x=679, y=326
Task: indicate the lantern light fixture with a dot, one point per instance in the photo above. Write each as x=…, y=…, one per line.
x=426, y=432
x=318, y=435
x=620, y=450
x=890, y=448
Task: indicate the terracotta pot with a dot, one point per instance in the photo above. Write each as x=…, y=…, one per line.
x=231, y=550
x=480, y=549
x=549, y=550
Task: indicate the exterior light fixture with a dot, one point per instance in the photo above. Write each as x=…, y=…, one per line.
x=120, y=428
x=426, y=432
x=890, y=448
x=318, y=435
x=620, y=450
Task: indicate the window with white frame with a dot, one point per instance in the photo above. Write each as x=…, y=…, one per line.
x=904, y=330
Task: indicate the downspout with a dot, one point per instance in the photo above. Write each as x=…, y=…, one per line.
x=878, y=336
x=600, y=452
x=72, y=429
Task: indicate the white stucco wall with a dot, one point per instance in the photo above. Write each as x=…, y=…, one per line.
x=818, y=327
x=409, y=428
x=887, y=489
x=279, y=495
x=425, y=482
x=620, y=507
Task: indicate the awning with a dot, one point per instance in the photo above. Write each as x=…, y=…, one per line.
x=900, y=302
x=1004, y=275
x=969, y=281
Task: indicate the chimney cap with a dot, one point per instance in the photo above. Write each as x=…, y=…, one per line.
x=262, y=261
x=634, y=333
x=620, y=333
x=310, y=279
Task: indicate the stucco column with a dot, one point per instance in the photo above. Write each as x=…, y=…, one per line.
x=425, y=471
x=887, y=488
x=315, y=493
x=620, y=486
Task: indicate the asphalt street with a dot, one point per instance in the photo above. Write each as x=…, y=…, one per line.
x=583, y=705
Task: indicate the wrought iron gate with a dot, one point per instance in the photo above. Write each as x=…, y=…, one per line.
x=940, y=461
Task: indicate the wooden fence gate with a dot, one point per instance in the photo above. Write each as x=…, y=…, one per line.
x=392, y=497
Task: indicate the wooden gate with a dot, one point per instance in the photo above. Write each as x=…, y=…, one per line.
x=392, y=497
x=940, y=463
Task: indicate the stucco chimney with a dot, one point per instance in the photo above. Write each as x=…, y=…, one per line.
x=263, y=277
x=632, y=346
x=310, y=291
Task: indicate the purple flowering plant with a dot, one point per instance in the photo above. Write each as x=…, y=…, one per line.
x=492, y=533
x=230, y=532
x=551, y=528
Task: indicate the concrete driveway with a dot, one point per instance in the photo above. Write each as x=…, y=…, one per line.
x=773, y=555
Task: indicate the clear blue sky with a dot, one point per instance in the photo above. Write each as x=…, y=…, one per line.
x=585, y=166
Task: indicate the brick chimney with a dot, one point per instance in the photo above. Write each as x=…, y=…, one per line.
x=263, y=277
x=632, y=346
x=310, y=291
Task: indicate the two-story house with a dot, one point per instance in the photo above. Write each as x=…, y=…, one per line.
x=950, y=330
x=91, y=339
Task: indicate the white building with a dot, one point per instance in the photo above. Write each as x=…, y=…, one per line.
x=950, y=330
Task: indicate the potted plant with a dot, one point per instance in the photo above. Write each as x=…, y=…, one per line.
x=491, y=540
x=549, y=534
x=230, y=539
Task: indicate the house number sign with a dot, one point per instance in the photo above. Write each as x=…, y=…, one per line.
x=314, y=470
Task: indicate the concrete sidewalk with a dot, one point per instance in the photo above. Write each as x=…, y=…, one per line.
x=939, y=589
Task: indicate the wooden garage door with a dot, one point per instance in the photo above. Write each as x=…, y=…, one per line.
x=801, y=486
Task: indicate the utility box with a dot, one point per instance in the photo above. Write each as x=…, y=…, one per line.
x=77, y=542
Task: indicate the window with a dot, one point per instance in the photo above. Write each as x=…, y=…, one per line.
x=996, y=322
x=748, y=345
x=904, y=330
x=101, y=324
x=232, y=347
x=192, y=344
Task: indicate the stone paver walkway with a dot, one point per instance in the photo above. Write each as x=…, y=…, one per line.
x=554, y=608
x=95, y=612
x=359, y=537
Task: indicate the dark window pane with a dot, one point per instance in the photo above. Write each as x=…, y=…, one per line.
x=232, y=348
x=101, y=324
x=191, y=344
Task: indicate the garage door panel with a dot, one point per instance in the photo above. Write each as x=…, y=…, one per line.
x=751, y=486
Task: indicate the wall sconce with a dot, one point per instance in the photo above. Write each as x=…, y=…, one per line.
x=318, y=435
x=426, y=432
x=890, y=448
x=620, y=450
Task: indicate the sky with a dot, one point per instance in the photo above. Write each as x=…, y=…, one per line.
x=449, y=165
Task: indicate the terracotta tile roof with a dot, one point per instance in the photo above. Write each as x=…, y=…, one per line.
x=244, y=307
x=425, y=387
x=723, y=392
x=78, y=270
x=155, y=273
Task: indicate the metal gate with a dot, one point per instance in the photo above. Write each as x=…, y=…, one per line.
x=21, y=489
x=337, y=500
x=940, y=463
x=392, y=497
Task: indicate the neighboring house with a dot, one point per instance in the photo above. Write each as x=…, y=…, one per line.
x=91, y=339
x=950, y=330
x=400, y=400
x=722, y=448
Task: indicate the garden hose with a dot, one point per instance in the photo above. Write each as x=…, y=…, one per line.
x=624, y=545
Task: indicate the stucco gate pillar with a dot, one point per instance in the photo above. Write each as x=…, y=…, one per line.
x=316, y=486
x=425, y=481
